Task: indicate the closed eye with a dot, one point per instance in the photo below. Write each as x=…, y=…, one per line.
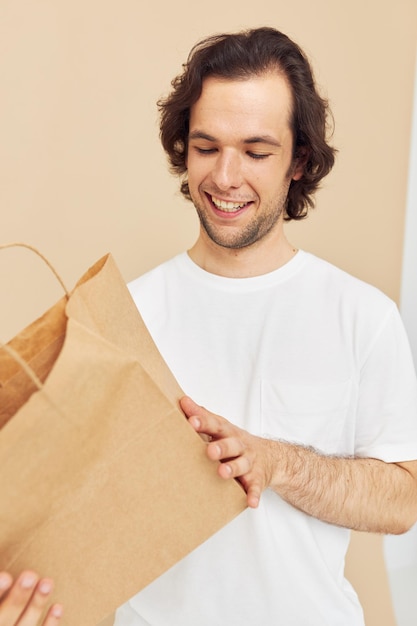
x=258, y=155
x=252, y=155
x=204, y=150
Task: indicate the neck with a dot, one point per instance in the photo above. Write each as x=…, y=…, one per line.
x=245, y=262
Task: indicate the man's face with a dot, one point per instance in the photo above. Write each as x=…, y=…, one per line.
x=239, y=159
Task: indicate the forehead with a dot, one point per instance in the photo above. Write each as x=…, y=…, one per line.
x=251, y=105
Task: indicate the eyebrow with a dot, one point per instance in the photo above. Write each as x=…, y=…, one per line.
x=267, y=139
x=198, y=134
x=263, y=139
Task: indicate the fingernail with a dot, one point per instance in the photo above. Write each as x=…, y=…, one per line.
x=253, y=502
x=45, y=586
x=195, y=422
x=56, y=610
x=4, y=581
x=27, y=581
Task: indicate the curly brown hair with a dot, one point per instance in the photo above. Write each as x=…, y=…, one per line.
x=240, y=56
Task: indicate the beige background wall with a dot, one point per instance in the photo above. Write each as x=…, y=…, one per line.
x=82, y=173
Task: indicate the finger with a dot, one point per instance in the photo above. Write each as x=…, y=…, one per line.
x=53, y=616
x=228, y=448
x=254, y=496
x=196, y=412
x=18, y=597
x=253, y=488
x=5, y=583
x=37, y=603
x=235, y=468
x=189, y=406
x=193, y=410
x=204, y=421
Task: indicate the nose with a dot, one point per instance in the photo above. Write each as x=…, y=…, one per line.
x=227, y=171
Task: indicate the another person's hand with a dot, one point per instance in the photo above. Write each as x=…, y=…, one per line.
x=242, y=455
x=24, y=600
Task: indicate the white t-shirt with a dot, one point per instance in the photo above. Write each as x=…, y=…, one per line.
x=305, y=353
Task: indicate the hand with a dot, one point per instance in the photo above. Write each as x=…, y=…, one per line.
x=23, y=601
x=242, y=455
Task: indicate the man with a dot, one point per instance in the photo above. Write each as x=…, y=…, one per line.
x=305, y=370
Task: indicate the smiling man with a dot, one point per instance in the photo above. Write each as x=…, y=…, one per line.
x=305, y=371
x=239, y=172
x=240, y=165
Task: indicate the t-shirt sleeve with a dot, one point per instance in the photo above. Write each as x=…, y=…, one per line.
x=386, y=426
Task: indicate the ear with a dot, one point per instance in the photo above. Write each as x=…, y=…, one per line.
x=300, y=160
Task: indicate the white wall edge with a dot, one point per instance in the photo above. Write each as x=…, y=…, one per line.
x=401, y=551
x=408, y=302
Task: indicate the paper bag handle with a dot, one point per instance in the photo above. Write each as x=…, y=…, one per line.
x=11, y=351
x=25, y=366
x=36, y=251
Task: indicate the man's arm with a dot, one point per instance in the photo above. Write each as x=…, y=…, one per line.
x=24, y=600
x=362, y=494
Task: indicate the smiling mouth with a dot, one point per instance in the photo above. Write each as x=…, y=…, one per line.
x=228, y=207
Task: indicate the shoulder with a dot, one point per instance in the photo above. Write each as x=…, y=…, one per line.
x=362, y=310
x=336, y=283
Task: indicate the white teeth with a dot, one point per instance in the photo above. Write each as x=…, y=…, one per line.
x=227, y=206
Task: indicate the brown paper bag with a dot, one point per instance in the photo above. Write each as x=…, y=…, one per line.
x=103, y=483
